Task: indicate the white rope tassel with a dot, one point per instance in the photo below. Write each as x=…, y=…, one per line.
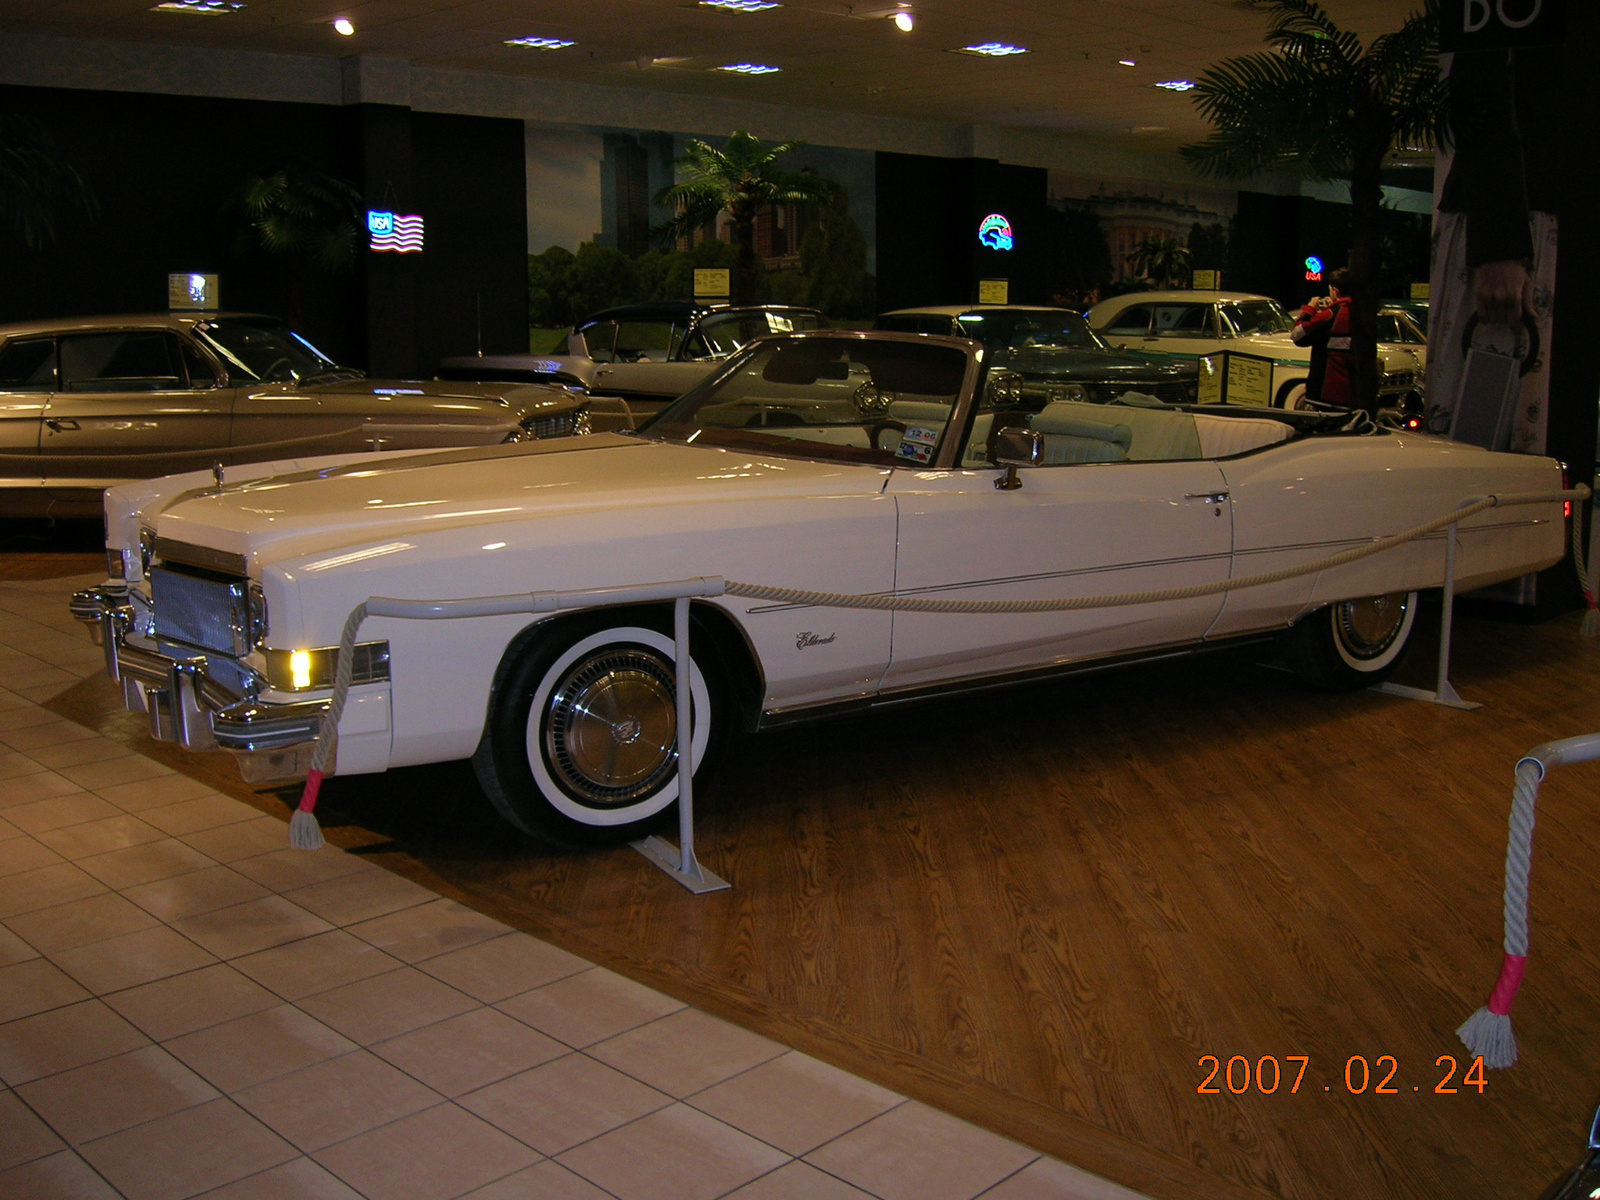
x=304, y=832
x=1487, y=1032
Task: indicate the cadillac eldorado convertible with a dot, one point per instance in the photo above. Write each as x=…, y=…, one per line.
x=886, y=464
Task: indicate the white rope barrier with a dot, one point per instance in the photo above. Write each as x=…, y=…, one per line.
x=1487, y=1032
x=304, y=834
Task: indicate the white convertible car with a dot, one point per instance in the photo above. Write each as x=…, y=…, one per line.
x=878, y=464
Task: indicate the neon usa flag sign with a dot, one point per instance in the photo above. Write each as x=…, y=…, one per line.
x=401, y=235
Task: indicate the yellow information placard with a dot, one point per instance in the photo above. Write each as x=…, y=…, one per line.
x=712, y=283
x=1419, y=291
x=1249, y=380
x=1205, y=281
x=994, y=291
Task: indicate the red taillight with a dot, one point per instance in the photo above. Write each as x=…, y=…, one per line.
x=1566, y=486
x=1413, y=422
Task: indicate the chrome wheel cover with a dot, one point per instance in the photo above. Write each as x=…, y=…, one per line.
x=611, y=726
x=1367, y=628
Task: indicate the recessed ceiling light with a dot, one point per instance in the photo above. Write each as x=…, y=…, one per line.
x=540, y=43
x=992, y=49
x=344, y=27
x=1126, y=62
x=749, y=69
x=740, y=5
x=1177, y=85
x=904, y=21
x=200, y=8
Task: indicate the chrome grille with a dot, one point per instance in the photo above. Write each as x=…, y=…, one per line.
x=560, y=425
x=201, y=609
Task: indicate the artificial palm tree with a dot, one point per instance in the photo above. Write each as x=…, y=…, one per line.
x=298, y=214
x=35, y=184
x=1323, y=106
x=741, y=179
x=1164, y=260
x=308, y=221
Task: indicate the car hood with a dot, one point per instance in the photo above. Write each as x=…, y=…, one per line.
x=379, y=498
x=1101, y=365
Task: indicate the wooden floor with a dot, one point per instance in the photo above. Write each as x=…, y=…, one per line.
x=1039, y=909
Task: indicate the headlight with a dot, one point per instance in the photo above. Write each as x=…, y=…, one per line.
x=312, y=670
x=1074, y=392
x=116, y=565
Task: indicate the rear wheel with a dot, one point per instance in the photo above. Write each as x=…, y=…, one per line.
x=1352, y=644
x=1291, y=395
x=581, y=743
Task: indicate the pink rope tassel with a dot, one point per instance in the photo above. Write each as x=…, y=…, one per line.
x=304, y=832
x=1505, y=989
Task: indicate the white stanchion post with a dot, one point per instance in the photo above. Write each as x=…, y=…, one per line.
x=681, y=863
x=1444, y=691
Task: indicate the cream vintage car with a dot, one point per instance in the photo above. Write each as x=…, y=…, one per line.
x=87, y=402
x=879, y=464
x=1186, y=324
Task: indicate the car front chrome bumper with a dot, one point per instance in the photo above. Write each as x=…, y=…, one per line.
x=201, y=700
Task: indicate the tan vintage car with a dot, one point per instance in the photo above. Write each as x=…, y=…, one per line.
x=86, y=403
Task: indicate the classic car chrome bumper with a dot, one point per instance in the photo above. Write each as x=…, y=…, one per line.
x=190, y=700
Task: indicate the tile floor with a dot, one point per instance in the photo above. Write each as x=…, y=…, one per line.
x=188, y=1008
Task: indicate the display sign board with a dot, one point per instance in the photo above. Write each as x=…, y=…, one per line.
x=1500, y=24
x=1419, y=291
x=1229, y=377
x=190, y=292
x=1206, y=281
x=994, y=291
x=712, y=283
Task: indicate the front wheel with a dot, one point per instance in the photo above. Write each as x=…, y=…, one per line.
x=1352, y=644
x=581, y=742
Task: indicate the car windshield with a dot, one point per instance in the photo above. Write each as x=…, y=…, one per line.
x=268, y=351
x=723, y=333
x=1016, y=330
x=1257, y=316
x=848, y=399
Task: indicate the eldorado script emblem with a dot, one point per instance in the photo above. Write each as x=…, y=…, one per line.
x=812, y=639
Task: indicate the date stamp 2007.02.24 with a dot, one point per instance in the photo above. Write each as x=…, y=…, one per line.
x=1267, y=1075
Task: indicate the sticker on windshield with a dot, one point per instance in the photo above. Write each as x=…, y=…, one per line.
x=917, y=444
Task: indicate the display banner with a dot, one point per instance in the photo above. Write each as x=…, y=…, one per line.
x=1496, y=228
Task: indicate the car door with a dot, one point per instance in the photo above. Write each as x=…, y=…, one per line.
x=1122, y=503
x=1129, y=329
x=131, y=404
x=27, y=377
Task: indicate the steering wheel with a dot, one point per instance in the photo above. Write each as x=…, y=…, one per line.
x=870, y=401
x=273, y=369
x=877, y=429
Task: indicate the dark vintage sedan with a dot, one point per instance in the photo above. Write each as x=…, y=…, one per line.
x=1058, y=356
x=89, y=402
x=642, y=355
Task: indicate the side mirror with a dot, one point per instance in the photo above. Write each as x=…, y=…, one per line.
x=1017, y=447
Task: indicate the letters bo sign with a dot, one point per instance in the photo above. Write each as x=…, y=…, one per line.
x=1500, y=24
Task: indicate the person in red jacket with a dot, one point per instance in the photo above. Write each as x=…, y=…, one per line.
x=1324, y=325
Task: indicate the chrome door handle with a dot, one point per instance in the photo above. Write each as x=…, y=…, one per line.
x=61, y=424
x=1208, y=497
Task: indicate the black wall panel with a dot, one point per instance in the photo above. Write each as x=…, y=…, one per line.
x=929, y=210
x=163, y=167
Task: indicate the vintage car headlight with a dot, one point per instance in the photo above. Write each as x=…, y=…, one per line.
x=1074, y=392
x=1003, y=389
x=312, y=670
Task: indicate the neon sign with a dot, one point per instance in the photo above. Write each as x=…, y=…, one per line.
x=995, y=232
x=402, y=235
x=1313, y=268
